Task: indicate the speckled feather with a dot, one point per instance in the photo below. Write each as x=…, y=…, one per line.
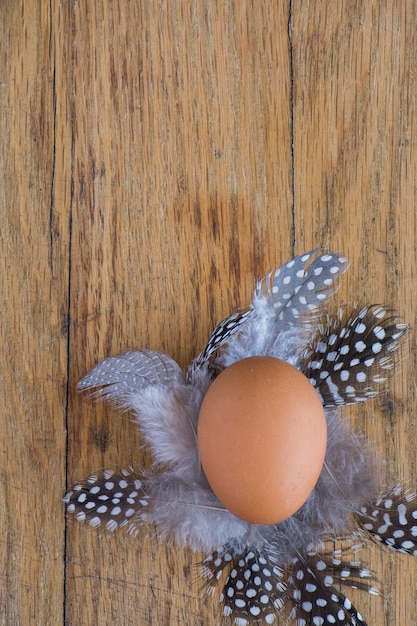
x=351, y=360
x=392, y=519
x=347, y=360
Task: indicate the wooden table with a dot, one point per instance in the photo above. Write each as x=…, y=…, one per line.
x=156, y=159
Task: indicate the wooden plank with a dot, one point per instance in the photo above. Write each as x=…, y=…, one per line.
x=35, y=153
x=355, y=191
x=180, y=122
x=182, y=198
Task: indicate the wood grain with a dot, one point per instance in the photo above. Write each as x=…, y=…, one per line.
x=355, y=190
x=35, y=151
x=175, y=196
x=156, y=158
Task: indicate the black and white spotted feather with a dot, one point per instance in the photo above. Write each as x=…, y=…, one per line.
x=111, y=500
x=286, y=307
x=254, y=589
x=316, y=579
x=219, y=336
x=264, y=569
x=351, y=360
x=392, y=519
x=301, y=285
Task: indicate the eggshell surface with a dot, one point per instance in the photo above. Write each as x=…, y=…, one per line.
x=262, y=439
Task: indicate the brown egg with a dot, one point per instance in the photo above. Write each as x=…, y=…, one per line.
x=262, y=439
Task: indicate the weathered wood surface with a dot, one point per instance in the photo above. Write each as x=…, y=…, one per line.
x=155, y=159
